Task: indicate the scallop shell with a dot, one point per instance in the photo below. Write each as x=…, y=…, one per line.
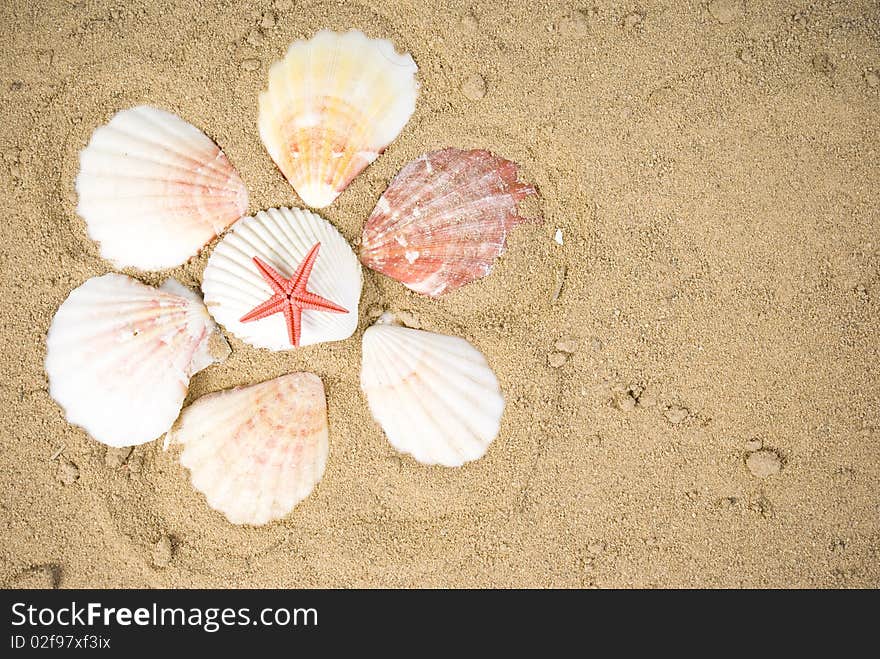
x=334, y=103
x=434, y=395
x=282, y=237
x=444, y=220
x=255, y=452
x=154, y=189
x=119, y=356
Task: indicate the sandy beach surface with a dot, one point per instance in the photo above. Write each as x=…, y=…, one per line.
x=691, y=377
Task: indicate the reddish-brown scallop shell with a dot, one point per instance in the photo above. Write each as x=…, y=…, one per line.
x=444, y=220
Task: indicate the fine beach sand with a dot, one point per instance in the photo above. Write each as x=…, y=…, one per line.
x=715, y=171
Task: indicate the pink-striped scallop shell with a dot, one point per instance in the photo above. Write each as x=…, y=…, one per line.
x=255, y=452
x=154, y=189
x=120, y=354
x=444, y=220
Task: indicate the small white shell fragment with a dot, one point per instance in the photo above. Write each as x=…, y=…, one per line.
x=119, y=356
x=282, y=237
x=434, y=395
x=558, y=236
x=255, y=452
x=333, y=104
x=154, y=189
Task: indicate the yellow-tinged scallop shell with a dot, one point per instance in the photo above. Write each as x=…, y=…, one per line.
x=257, y=451
x=333, y=104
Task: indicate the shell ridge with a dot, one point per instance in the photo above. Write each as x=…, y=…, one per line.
x=171, y=126
x=468, y=386
x=464, y=359
x=450, y=216
x=450, y=401
x=118, y=130
x=277, y=503
x=237, y=283
x=92, y=167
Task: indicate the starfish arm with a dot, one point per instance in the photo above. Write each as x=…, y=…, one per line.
x=297, y=283
x=271, y=306
x=271, y=275
x=309, y=300
x=293, y=316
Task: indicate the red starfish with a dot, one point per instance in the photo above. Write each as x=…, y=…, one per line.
x=291, y=296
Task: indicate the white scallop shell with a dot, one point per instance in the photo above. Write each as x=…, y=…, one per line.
x=154, y=189
x=257, y=451
x=434, y=395
x=282, y=237
x=119, y=356
x=333, y=104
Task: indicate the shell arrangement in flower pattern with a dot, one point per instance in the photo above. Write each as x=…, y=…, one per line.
x=154, y=190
